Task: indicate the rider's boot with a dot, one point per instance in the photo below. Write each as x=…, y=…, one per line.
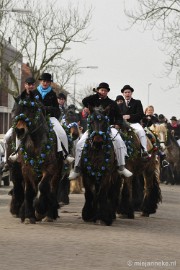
x=145, y=155
x=123, y=171
x=74, y=173
x=69, y=159
x=13, y=157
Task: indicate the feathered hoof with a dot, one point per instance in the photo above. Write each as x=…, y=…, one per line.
x=29, y=221
x=126, y=216
x=38, y=216
x=143, y=214
x=47, y=219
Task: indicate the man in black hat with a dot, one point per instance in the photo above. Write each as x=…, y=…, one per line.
x=29, y=86
x=101, y=99
x=174, y=127
x=61, y=98
x=49, y=99
x=162, y=119
x=132, y=111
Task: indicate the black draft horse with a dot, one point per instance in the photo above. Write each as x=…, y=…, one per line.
x=145, y=178
x=71, y=126
x=40, y=164
x=99, y=170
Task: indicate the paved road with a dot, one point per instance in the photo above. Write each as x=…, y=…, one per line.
x=70, y=244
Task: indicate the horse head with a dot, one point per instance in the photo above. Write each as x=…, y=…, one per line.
x=160, y=130
x=98, y=124
x=71, y=124
x=27, y=116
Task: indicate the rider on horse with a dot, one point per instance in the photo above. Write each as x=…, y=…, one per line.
x=132, y=111
x=29, y=86
x=49, y=99
x=96, y=100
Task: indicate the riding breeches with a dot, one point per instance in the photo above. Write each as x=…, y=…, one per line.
x=119, y=147
x=6, y=140
x=138, y=129
x=61, y=136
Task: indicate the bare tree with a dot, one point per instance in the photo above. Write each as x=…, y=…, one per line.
x=43, y=36
x=163, y=17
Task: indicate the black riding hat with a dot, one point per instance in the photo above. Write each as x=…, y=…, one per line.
x=173, y=118
x=120, y=97
x=103, y=85
x=127, y=87
x=30, y=80
x=46, y=77
x=61, y=95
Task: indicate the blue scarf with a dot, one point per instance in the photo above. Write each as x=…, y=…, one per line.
x=43, y=91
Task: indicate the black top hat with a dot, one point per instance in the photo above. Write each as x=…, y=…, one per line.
x=127, y=87
x=173, y=118
x=61, y=95
x=30, y=80
x=103, y=85
x=46, y=77
x=161, y=116
x=120, y=97
x=72, y=106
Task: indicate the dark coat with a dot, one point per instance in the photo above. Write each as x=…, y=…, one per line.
x=114, y=112
x=83, y=122
x=175, y=130
x=134, y=109
x=50, y=102
x=22, y=96
x=149, y=120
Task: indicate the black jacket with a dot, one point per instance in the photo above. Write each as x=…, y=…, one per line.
x=50, y=102
x=114, y=112
x=22, y=96
x=149, y=120
x=175, y=130
x=134, y=109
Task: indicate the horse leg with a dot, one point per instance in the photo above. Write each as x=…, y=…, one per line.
x=17, y=191
x=27, y=212
x=63, y=190
x=46, y=204
x=104, y=208
x=176, y=179
x=152, y=193
x=88, y=213
x=125, y=207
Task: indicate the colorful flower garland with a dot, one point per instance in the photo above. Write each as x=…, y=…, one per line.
x=38, y=161
x=107, y=145
x=128, y=138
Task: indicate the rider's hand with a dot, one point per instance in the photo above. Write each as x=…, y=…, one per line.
x=117, y=126
x=126, y=116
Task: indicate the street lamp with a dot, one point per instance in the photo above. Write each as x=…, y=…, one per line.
x=18, y=10
x=90, y=67
x=149, y=84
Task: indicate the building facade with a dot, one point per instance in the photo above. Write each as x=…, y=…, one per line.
x=8, y=55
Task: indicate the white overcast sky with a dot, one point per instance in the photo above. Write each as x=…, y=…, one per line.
x=124, y=57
